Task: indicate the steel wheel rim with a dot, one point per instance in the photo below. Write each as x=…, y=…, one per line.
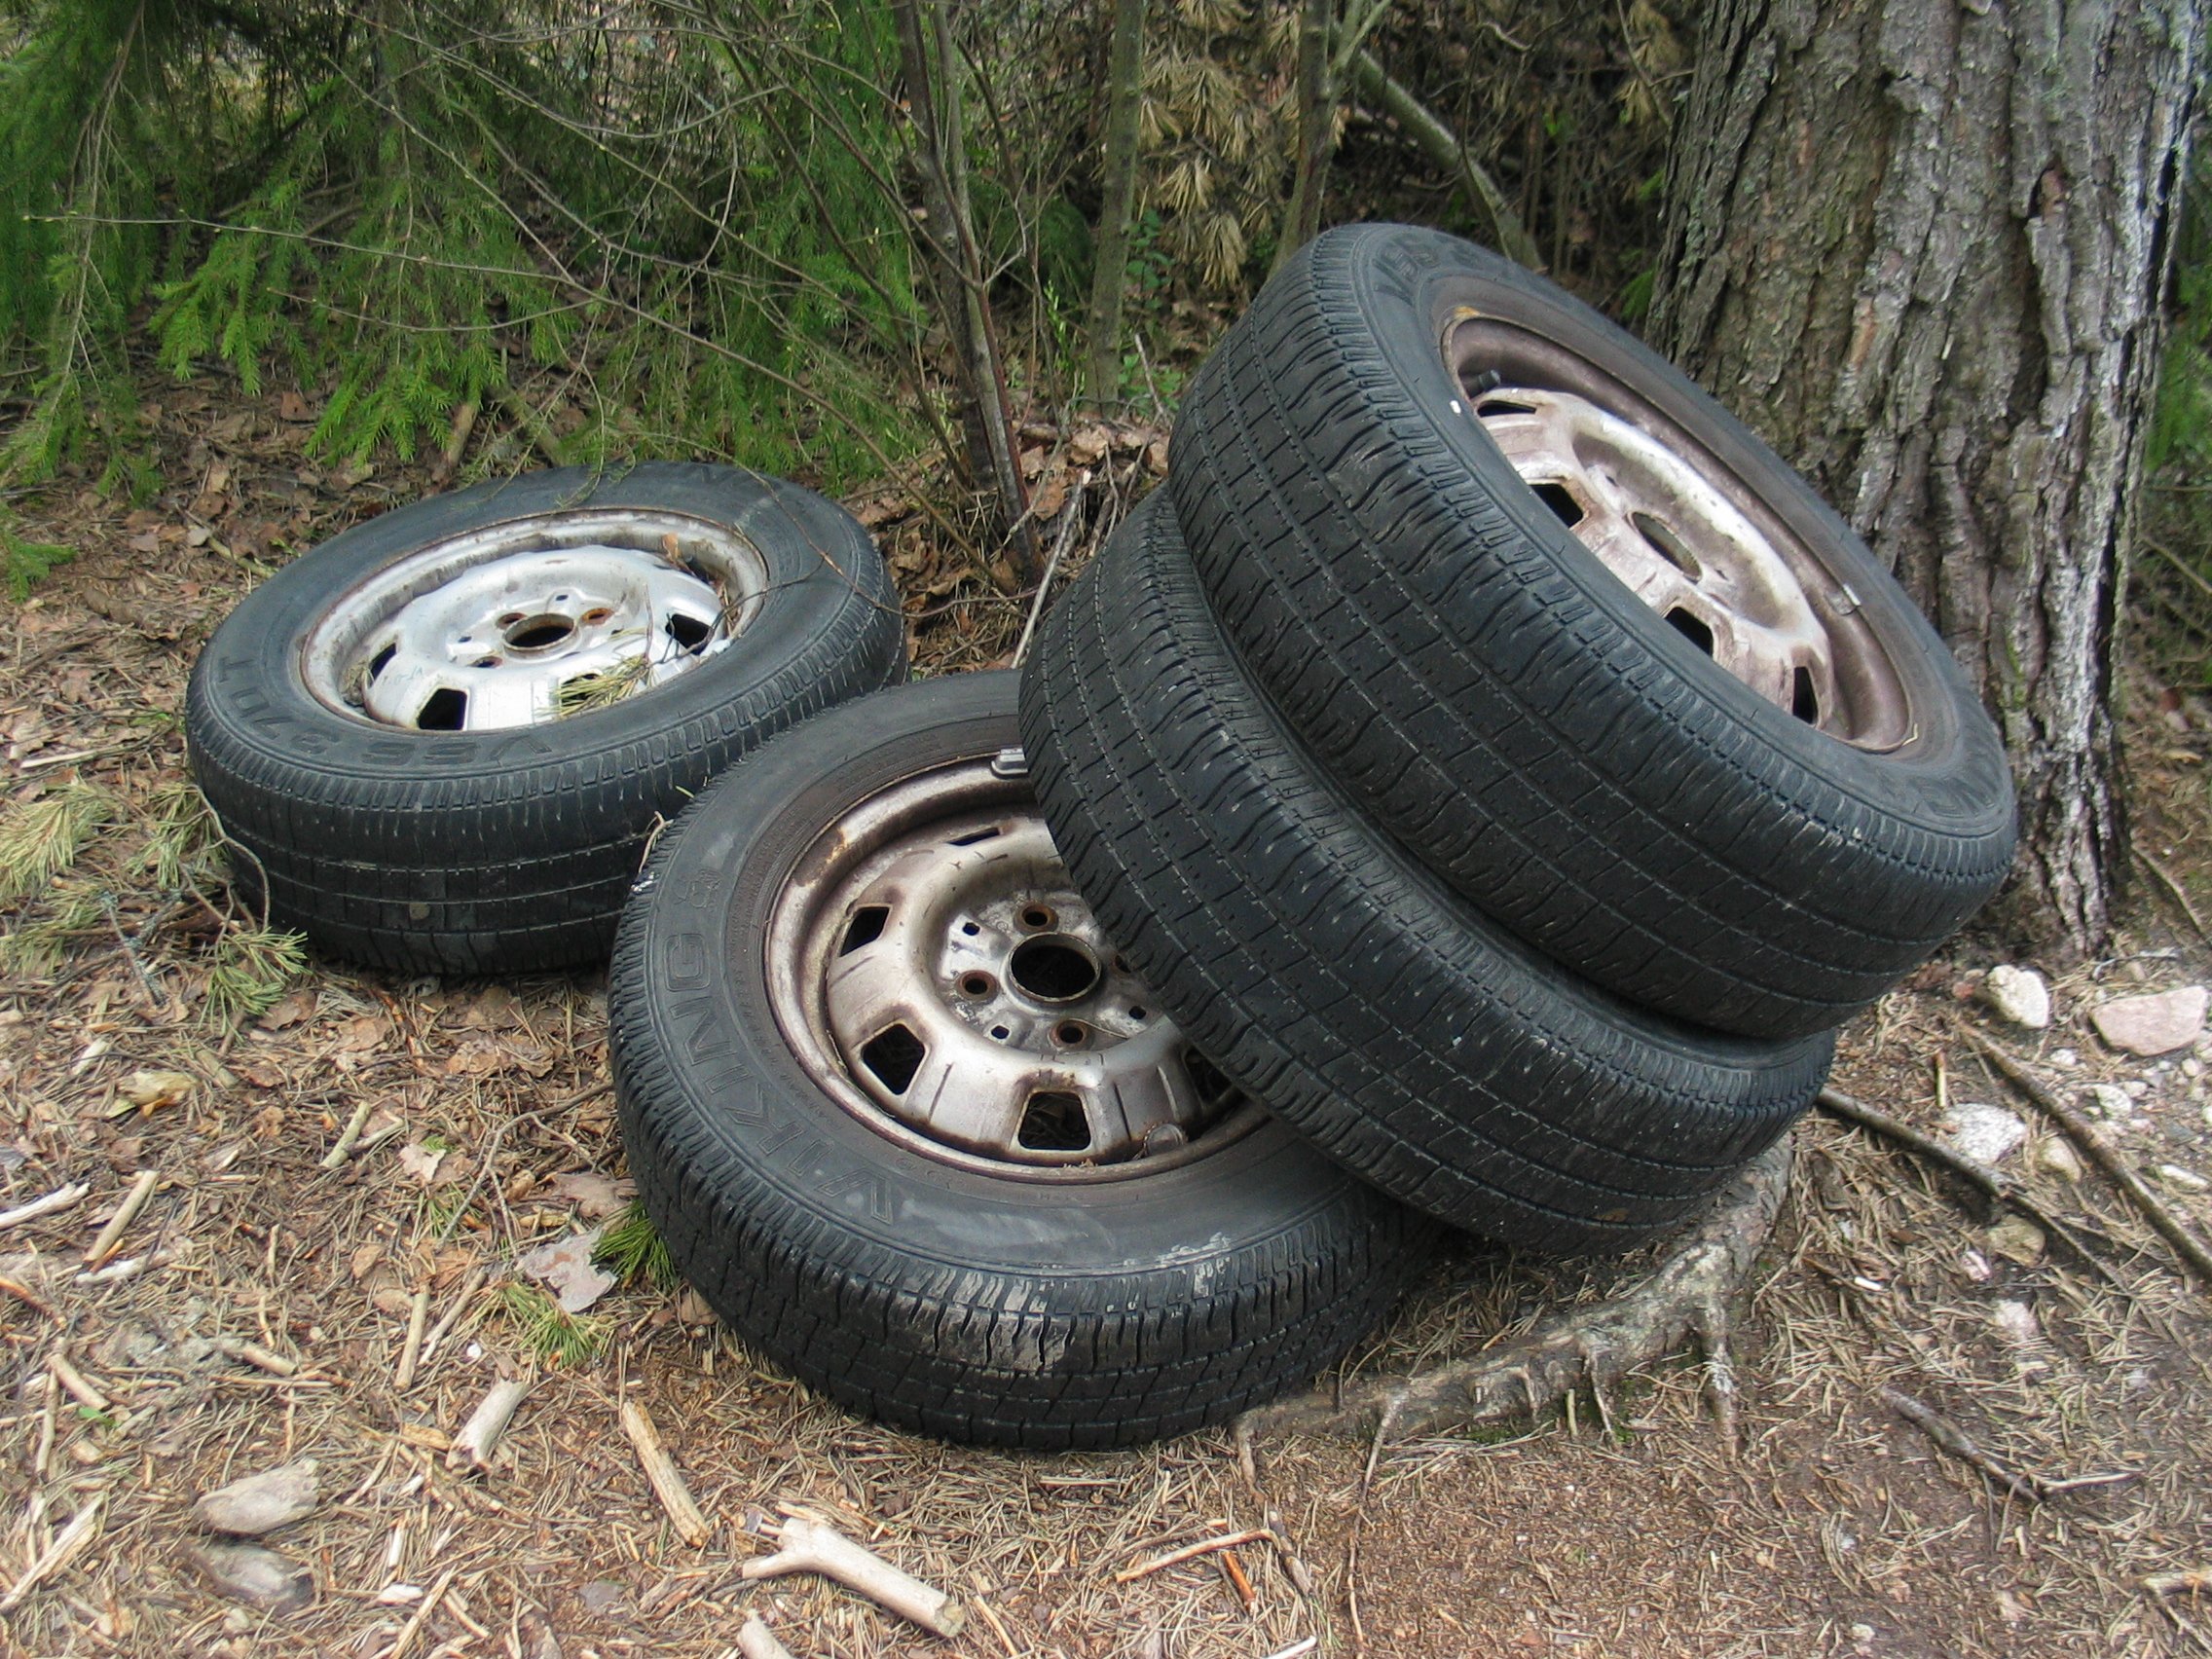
x=1676, y=527
x=906, y=914
x=541, y=618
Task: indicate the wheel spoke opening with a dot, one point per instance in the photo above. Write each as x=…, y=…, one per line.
x=865, y=929
x=444, y=710
x=893, y=1054
x=1560, y=499
x=1053, y=1121
x=1690, y=629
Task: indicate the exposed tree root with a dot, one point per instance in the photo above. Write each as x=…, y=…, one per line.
x=1687, y=1293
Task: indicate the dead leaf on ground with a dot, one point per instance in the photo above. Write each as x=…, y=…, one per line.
x=594, y=1194
x=565, y=1267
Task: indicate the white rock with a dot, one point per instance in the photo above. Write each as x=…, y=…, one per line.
x=2135, y=1089
x=2192, y=1067
x=261, y=1503
x=2055, y=1157
x=2066, y=1059
x=1982, y=1133
x=2015, y=1322
x=2156, y=1024
x=2108, y=1100
x=2188, y=1180
x=262, y=1578
x=2019, y=995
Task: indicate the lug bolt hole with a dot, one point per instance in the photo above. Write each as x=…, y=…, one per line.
x=511, y=620
x=1069, y=1034
x=1037, y=917
x=977, y=984
x=597, y=614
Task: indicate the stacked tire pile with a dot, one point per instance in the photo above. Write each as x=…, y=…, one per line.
x=1477, y=787
x=1471, y=792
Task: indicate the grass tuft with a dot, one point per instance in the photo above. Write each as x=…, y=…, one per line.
x=182, y=837
x=252, y=968
x=35, y=947
x=42, y=838
x=589, y=692
x=555, y=1336
x=631, y=1249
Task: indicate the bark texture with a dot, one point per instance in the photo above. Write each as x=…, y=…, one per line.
x=1920, y=249
x=1124, y=89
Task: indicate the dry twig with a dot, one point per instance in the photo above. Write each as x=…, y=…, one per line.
x=479, y=1437
x=684, y=1513
x=103, y=1246
x=60, y=1198
x=813, y=1546
x=756, y=1641
x=1189, y=1552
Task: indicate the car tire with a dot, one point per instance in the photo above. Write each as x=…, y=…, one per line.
x=509, y=847
x=1410, y=1037
x=882, y=1257
x=1764, y=861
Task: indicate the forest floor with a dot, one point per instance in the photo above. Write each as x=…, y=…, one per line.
x=1836, y=1529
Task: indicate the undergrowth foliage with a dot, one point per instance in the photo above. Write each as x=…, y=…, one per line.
x=696, y=218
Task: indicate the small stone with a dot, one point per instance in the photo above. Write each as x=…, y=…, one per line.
x=2018, y=1241
x=2015, y=1322
x=2108, y=1100
x=1982, y=1133
x=2057, y=1159
x=2135, y=1089
x=2019, y=995
x=2192, y=1067
x=2188, y=1180
x=2065, y=1059
x=261, y=1503
x=257, y=1577
x=2155, y=1025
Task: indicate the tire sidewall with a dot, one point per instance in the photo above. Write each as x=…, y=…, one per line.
x=749, y=1123
x=250, y=680
x=1410, y=282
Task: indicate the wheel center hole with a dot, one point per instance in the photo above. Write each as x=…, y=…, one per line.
x=535, y=633
x=1054, y=968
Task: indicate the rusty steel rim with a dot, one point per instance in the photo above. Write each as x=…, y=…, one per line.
x=936, y=972
x=1666, y=518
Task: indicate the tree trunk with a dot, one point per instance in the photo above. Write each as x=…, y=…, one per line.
x=932, y=69
x=1921, y=249
x=1316, y=129
x=1124, y=87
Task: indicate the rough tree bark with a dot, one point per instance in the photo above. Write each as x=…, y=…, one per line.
x=1124, y=87
x=1920, y=247
x=1316, y=129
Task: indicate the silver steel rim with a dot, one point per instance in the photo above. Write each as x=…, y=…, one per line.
x=1667, y=521
x=535, y=619
x=936, y=973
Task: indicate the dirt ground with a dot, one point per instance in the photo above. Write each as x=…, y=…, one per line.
x=1837, y=1529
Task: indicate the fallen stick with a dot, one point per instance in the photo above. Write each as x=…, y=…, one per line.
x=253, y=1353
x=423, y=1609
x=411, y=1349
x=1950, y=1437
x=28, y=1297
x=2190, y=1582
x=2084, y=1134
x=479, y=1436
x=1233, y=1570
x=1205, y=1546
x=103, y=1246
x=810, y=1546
x=756, y=1641
x=667, y=1480
x=83, y=1529
x=349, y=1137
x=1297, y=1649
x=78, y=1384
x=60, y=1198
x=1992, y=1182
x=452, y=1315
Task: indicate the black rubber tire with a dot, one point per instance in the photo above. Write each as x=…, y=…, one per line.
x=1316, y=963
x=512, y=851
x=1512, y=712
x=969, y=1306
